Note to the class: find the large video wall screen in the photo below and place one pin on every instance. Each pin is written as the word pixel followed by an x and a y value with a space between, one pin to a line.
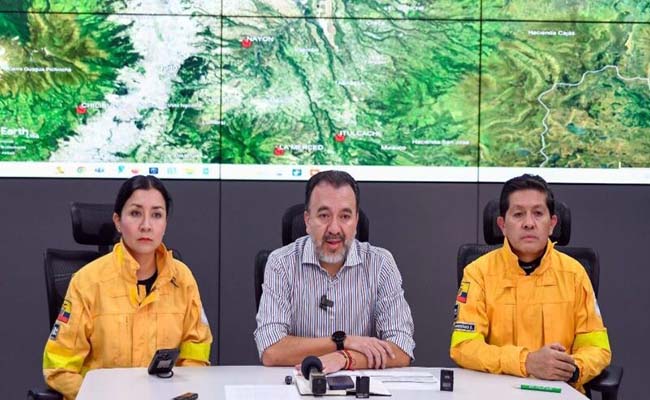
pixel 411 90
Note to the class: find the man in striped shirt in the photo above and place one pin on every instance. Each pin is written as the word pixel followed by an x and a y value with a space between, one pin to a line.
pixel 329 295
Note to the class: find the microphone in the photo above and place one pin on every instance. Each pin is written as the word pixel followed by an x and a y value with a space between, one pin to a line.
pixel 325 302
pixel 312 369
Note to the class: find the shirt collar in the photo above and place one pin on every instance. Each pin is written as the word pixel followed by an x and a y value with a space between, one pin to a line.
pixel 309 255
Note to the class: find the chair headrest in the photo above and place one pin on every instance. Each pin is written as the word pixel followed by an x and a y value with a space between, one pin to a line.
pixel 492 233
pixel 293 225
pixel 93 224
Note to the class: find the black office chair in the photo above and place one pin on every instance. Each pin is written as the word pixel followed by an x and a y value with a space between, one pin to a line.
pixel 293 227
pixel 60 265
pixel 43 394
pixel 92 224
pixel 493 237
pixel 608 382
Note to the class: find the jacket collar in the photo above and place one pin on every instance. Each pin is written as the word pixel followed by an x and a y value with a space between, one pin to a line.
pixel 513 261
pixel 129 266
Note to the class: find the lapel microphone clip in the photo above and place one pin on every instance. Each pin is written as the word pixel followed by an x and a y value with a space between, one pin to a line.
pixel 325 302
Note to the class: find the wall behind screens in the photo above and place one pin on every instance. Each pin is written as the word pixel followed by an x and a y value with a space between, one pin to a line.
pixel 407 90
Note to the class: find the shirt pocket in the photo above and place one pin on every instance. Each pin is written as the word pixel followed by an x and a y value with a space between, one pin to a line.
pixel 559 323
pixel 501 316
pixel 502 325
pixel 170 320
pixel 111 338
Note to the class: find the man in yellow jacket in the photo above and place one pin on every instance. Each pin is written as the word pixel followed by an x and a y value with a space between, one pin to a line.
pixel 526 309
pixel 110 320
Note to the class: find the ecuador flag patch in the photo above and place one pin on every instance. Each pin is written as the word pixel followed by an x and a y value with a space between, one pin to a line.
pixel 64 314
pixel 462 292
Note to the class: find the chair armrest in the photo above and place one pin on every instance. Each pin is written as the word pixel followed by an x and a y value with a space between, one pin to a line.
pixel 608 381
pixel 43 394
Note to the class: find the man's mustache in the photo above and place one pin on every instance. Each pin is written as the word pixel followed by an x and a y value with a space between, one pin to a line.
pixel 334 237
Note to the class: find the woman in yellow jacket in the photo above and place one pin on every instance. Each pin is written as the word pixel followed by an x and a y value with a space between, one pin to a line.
pixel 122 307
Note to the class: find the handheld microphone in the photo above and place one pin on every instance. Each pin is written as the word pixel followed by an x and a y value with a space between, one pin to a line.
pixel 312 369
pixel 325 302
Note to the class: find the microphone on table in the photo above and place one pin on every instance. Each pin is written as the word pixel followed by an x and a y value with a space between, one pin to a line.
pixel 312 369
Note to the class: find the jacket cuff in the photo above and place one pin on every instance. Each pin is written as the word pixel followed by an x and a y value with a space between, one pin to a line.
pixel 523 356
pixel 514 360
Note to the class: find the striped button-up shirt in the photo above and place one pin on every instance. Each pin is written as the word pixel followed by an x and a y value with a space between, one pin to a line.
pixel 367 297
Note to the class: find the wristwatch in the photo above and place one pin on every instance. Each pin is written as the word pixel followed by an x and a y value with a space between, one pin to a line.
pixel 338 337
pixel 576 375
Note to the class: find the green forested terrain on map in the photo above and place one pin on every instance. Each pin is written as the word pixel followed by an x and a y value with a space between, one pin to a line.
pixel 409 86
pixel 568 10
pixel 588 83
pixel 52 61
pixel 404 9
pixel 327 82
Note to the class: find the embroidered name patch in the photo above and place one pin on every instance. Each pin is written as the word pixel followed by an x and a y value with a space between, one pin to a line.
pixel 55 331
pixel 64 314
pixel 462 292
pixel 464 327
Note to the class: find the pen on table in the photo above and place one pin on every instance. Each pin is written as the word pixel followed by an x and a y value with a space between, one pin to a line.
pixel 541 388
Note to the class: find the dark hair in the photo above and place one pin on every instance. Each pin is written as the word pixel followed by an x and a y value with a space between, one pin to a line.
pixel 141 182
pixel 525 182
pixel 334 178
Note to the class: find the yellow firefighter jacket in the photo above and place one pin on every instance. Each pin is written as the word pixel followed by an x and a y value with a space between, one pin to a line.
pixel 107 320
pixel 501 314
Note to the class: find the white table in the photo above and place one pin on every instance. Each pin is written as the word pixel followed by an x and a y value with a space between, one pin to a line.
pixel 210 383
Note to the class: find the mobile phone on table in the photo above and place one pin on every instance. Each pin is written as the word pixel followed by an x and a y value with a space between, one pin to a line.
pixel 340 382
pixel 187 396
pixel 163 361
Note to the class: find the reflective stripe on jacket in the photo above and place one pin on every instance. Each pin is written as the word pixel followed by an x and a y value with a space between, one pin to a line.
pixel 107 320
pixel 502 314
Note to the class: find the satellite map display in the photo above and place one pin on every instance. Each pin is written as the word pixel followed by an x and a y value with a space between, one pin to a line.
pixel 276 89
pixel 565 95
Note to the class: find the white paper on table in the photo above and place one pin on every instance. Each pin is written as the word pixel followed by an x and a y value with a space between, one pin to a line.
pixel 261 392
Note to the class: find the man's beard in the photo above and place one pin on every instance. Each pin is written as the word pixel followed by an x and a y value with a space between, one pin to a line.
pixel 329 257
